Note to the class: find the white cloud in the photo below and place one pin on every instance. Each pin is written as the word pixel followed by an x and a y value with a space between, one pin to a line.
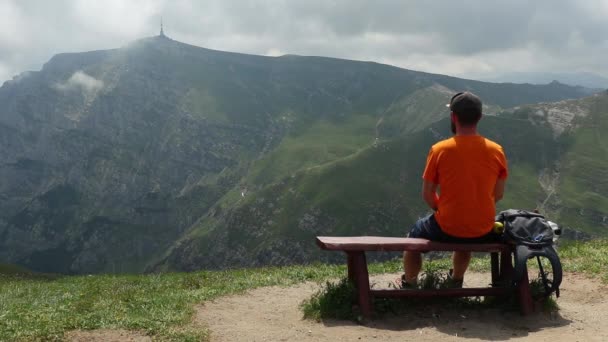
pixel 460 38
pixel 11 31
pixel 116 17
pixel 274 52
pixel 4 73
pixel 80 81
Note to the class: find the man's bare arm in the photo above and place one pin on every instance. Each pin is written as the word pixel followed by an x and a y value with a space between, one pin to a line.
pixel 499 189
pixel 429 194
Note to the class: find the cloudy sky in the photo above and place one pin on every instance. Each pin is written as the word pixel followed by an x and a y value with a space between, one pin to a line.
pixel 467 38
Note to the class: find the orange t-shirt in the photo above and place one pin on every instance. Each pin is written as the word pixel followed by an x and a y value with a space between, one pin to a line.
pixel 466 169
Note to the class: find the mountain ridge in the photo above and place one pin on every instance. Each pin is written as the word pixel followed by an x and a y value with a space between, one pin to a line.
pixel 110 157
pixel 585 79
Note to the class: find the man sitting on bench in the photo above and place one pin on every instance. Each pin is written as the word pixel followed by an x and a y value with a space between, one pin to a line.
pixel 469 171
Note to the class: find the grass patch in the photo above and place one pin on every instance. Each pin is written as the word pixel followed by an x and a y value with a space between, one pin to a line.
pixel 160 305
pixel 335 299
pixel 537 288
pixel 590 257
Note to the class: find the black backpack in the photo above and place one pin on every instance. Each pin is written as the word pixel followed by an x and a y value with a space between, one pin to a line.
pixel 532 236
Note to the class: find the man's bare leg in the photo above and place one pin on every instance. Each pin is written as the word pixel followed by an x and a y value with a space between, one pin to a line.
pixel 412 263
pixel 460 262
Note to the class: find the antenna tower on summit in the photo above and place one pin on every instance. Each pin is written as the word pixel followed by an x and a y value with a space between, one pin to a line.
pixel 162 33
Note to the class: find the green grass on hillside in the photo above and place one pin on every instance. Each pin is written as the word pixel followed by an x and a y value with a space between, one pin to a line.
pixel 589 257
pixel 13 270
pixel 322 142
pixel 584 175
pixel 161 305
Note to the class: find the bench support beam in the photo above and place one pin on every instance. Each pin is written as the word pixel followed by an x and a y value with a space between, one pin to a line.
pixel 458 292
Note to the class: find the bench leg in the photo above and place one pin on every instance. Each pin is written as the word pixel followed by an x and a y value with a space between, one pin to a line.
pixel 361 281
pixel 506 267
pixel 524 295
pixel 495 269
pixel 351 267
pixel 526 304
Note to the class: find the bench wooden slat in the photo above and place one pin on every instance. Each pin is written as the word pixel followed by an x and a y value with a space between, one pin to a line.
pixel 380 243
pixel 460 292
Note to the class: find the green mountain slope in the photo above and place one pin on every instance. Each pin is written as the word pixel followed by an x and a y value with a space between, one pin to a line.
pixel 111 159
pixel 374 191
pixel 555 155
pixel 582 185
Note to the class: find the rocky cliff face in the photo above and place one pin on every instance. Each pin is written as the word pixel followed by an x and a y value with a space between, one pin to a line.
pixel 111 159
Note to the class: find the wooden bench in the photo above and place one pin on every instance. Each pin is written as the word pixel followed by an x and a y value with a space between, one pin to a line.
pixel 356 246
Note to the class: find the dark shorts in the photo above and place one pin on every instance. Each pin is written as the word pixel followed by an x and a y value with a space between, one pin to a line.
pixel 428 228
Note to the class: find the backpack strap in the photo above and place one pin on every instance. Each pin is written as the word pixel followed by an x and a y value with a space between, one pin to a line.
pixel 523 253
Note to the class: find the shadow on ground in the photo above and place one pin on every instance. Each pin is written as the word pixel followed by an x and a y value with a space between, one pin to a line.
pixel 481 323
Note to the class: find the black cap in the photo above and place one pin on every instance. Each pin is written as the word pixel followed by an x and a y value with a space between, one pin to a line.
pixel 465 102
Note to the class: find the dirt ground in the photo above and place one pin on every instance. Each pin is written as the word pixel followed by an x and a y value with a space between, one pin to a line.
pixel 106 335
pixel 272 314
